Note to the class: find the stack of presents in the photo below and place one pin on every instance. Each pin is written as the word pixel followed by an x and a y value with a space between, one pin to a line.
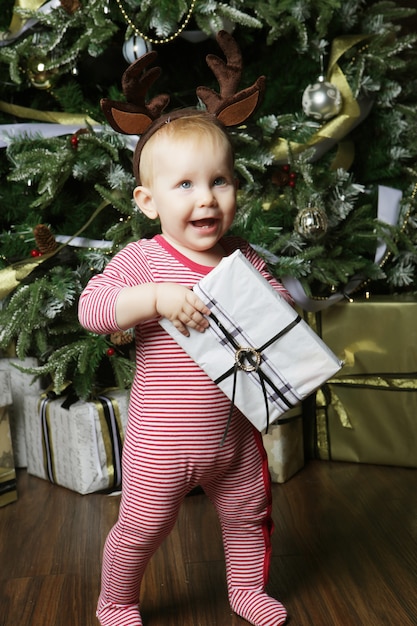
pixel 67 441
pixel 338 385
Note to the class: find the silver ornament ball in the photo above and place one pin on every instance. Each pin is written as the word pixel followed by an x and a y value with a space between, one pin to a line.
pixel 311 223
pixel 322 100
pixel 134 48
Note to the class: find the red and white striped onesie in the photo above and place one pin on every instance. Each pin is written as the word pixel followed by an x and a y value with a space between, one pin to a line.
pixel 177 418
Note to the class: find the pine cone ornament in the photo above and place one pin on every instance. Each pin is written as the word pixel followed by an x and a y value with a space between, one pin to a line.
pixel 70 6
pixel 280 177
pixel 44 238
pixel 121 338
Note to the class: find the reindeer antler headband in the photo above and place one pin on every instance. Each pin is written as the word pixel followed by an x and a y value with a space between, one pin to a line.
pixel 136 117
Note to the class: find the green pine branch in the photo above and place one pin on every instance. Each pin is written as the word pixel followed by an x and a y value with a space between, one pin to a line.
pixel 78 363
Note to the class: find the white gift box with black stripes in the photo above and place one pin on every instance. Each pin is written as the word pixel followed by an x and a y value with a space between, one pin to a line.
pixel 258 349
pixel 78 447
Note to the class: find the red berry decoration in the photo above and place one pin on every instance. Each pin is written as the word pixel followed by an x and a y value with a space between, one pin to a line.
pixel 35 253
pixel 110 351
pixel 74 141
pixel 283 177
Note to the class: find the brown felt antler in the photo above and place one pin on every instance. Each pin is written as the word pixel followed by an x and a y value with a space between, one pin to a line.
pixel 229 107
pixel 135 116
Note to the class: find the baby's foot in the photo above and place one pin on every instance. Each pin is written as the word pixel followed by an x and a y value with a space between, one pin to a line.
pixel 258 608
pixel 119 615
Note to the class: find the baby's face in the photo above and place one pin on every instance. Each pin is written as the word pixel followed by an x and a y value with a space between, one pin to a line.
pixel 193 190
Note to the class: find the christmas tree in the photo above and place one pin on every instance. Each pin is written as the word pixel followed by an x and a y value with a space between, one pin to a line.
pixel 327 166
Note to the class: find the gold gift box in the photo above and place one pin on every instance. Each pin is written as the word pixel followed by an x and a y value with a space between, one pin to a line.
pixel 21 384
pixel 367 413
pixel 8 491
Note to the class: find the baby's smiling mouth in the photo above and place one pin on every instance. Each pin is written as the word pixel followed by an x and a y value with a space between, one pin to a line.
pixel 204 223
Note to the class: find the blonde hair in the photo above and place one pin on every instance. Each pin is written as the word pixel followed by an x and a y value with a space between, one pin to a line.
pixel 196 126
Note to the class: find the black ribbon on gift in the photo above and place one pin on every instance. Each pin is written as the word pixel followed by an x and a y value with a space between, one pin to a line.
pixel 46 438
pixel 249 359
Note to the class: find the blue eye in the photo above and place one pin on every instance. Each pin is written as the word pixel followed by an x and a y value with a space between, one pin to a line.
pixel 220 180
pixel 186 184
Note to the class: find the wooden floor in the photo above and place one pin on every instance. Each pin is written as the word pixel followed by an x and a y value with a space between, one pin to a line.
pixel 344 554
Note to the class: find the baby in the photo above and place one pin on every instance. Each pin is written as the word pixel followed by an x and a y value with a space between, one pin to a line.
pixel 177 414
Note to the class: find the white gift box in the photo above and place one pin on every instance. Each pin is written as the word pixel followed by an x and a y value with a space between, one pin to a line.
pixel 5 389
pixel 78 447
pixel 22 384
pixel 257 349
pixel 284 445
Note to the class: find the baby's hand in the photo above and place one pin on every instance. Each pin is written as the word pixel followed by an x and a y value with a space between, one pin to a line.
pixel 182 307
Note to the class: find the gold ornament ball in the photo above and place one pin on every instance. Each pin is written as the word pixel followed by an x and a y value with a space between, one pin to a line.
pixel 39 76
pixel 311 223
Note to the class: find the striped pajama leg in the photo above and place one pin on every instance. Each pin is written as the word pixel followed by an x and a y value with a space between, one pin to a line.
pixel 148 512
pixel 243 501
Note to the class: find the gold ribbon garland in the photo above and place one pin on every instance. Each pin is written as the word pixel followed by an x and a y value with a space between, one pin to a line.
pixel 337 128
pixel 28 5
pixel 11 276
pixel 54 117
